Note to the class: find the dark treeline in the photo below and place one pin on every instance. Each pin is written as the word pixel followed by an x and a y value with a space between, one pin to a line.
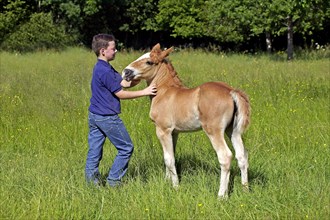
pixel 235 25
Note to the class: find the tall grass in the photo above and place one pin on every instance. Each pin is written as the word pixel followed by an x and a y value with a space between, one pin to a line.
pixel 44 99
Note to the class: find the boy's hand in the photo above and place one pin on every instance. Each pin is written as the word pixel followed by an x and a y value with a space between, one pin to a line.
pixel 135 82
pixel 129 84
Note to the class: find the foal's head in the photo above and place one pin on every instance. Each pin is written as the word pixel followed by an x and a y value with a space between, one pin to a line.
pixel 145 67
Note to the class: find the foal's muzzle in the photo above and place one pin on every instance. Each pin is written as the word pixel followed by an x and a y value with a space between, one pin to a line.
pixel 128 74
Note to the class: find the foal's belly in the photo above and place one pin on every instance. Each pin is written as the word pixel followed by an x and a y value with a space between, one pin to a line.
pixel 187 124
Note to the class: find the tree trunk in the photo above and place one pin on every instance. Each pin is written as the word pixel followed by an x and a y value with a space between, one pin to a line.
pixel 268 42
pixel 290 38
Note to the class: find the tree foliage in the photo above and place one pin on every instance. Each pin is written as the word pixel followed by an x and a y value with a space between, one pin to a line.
pixel 223 21
pixel 12 15
pixel 227 20
pixel 140 15
pixel 180 18
pixel 38 33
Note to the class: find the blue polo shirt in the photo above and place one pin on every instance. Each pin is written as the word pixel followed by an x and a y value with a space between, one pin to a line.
pixel 105 83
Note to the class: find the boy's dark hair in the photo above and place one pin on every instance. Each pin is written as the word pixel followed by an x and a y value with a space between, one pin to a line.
pixel 101 41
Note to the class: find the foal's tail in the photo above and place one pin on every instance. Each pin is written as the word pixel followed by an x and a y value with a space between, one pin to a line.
pixel 242 111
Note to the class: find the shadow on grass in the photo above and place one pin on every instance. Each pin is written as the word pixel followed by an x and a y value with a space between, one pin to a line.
pixel 190 165
pixel 256 178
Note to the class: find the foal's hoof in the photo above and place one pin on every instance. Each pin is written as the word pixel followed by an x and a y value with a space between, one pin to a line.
pixel 223 197
pixel 246 187
pixel 176 187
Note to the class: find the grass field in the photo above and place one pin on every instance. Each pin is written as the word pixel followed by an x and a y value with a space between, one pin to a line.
pixel 44 99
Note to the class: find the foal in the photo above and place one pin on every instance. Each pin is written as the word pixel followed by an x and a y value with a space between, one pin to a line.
pixel 214 107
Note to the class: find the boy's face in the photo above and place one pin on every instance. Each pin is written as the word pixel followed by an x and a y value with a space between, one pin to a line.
pixel 109 53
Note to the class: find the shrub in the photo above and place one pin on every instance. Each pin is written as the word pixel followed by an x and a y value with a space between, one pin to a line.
pixel 40 32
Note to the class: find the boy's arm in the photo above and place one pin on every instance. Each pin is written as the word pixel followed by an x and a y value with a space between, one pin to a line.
pixel 150 90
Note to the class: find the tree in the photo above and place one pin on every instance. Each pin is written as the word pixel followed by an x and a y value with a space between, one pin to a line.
pixel 13 13
pixel 181 18
pixel 140 15
pixel 65 12
pixel 232 21
pixel 276 17
pixel 138 21
pixel 39 32
pixel 228 20
pixel 85 18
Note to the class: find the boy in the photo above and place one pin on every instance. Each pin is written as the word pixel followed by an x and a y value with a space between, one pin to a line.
pixel 107 90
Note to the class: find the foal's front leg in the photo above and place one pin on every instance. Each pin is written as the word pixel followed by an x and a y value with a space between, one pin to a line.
pixel 166 140
pixel 174 141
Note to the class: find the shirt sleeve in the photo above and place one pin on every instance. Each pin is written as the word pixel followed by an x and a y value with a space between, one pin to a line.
pixel 112 80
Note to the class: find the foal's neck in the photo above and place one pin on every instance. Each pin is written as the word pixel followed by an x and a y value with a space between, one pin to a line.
pixel 166 76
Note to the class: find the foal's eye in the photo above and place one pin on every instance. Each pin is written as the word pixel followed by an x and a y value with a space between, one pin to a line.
pixel 149 63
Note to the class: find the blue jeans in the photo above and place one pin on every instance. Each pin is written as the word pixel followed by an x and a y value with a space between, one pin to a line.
pixel 112 127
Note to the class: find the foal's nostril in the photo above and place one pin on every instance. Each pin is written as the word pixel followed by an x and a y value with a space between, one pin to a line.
pixel 128 74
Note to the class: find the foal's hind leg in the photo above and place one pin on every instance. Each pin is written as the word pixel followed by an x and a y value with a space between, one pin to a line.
pixel 224 156
pixel 241 155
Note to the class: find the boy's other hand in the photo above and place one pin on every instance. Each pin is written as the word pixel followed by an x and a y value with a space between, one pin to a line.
pixel 151 90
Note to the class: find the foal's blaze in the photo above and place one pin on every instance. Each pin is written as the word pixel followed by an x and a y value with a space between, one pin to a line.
pixel 214 107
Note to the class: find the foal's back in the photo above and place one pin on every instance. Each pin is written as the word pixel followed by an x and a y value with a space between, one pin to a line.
pixel 185 109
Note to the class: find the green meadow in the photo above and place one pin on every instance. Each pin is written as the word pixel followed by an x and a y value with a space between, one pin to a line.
pixel 44 99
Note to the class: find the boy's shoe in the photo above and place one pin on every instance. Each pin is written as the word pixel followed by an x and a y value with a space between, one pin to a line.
pixel 114 183
pixel 95 181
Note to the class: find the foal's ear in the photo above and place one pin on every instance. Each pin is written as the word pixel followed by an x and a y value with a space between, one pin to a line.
pixel 156 54
pixel 165 53
pixel 156 47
